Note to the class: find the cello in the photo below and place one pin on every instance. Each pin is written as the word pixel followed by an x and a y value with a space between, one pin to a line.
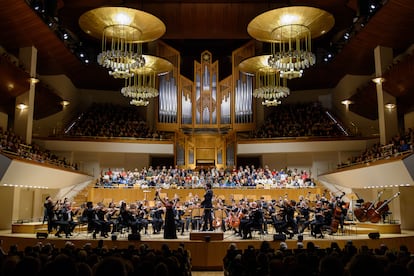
pixel 375 214
pixel 362 213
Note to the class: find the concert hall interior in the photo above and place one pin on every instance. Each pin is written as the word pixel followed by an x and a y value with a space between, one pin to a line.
pixel 116 117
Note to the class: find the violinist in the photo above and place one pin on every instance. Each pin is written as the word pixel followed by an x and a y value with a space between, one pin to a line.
pixel 279 219
pixel 318 222
pixel 141 218
pixel 133 218
pixel 111 216
pixel 253 220
pixel 157 220
pixel 290 206
pixel 89 212
pixel 65 220
pixel 179 212
pixel 100 220
pixel 269 212
pixel 302 219
pixel 125 218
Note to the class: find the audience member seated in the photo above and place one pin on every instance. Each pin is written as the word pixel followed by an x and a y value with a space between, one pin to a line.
pixel 297 120
pixel 399 144
pixel 12 144
pixel 109 120
pixel 174 177
pixel 47 259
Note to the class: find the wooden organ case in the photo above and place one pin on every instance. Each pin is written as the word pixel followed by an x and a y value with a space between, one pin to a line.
pixel 205 113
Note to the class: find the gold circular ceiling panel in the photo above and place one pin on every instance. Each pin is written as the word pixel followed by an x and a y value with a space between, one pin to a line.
pixel 154 64
pixel 266 26
pixel 258 63
pixel 119 22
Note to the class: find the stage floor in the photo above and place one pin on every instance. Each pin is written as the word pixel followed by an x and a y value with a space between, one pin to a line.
pixel 213 248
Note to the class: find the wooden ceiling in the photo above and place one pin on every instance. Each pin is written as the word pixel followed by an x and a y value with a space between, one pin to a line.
pixel 220 26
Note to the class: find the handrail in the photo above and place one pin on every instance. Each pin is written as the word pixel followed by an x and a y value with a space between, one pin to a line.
pixel 15 155
pixel 385 157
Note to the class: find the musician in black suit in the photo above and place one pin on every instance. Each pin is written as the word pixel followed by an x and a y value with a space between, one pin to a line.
pixel 253 220
pixel 157 220
pixel 65 220
pixel 207 204
pixel 50 215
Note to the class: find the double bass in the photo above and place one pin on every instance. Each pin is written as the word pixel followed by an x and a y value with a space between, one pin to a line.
pixel 362 213
pixel 374 215
pixel 337 214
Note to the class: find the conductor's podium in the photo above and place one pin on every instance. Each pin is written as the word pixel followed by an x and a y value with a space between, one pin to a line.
pixel 206 236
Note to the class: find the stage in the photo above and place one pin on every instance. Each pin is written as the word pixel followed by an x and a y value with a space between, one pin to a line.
pixel 208 248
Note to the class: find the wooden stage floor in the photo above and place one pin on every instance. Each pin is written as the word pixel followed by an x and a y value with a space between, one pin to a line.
pixel 208 255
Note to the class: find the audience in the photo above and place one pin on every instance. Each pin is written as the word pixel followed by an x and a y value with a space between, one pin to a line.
pixel 296 120
pixel 349 261
pixel 14 145
pixel 109 120
pixel 399 144
pixel 47 260
pixel 174 177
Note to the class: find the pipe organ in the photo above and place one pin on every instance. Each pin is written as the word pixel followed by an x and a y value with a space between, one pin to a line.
pixel 205 114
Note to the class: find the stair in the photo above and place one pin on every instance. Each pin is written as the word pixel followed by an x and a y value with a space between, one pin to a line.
pixel 82 196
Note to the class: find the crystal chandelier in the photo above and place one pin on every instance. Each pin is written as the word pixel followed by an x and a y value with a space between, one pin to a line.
pixel 270 86
pixel 141 86
pixel 289 31
pixel 123 32
pixel 292 53
pixel 121 55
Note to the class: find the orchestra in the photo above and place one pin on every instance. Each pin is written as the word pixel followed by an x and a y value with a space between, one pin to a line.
pixel 286 216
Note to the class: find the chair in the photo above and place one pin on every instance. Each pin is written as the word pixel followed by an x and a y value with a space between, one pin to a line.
pixel 257 229
pixel 350 227
pixel 82 223
pixel 196 218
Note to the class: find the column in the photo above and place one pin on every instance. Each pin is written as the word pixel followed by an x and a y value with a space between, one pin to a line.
pixel 387 117
pixel 23 119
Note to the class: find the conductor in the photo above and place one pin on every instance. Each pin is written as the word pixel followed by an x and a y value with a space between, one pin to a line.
pixel 207 204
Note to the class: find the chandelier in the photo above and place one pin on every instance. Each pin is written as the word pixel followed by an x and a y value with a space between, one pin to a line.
pixel 270 86
pixel 289 31
pixel 140 87
pixel 123 32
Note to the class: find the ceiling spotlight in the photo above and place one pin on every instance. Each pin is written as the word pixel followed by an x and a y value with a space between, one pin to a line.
pixel 347 102
pixel 22 106
pixel 64 103
pixel 33 80
pixel 390 106
pixel 378 80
